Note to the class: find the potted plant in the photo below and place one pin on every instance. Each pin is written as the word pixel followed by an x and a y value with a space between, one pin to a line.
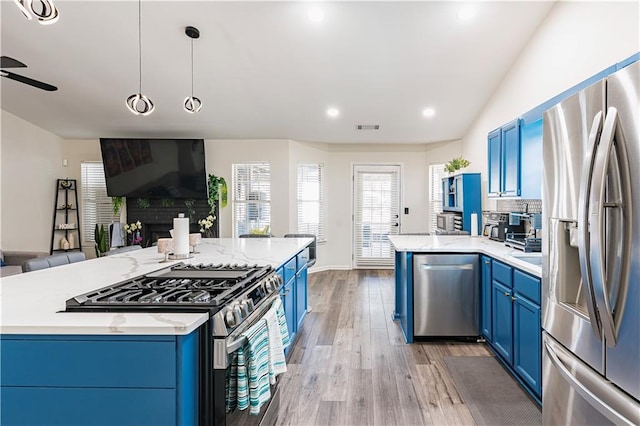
pixel 100 237
pixel 456 164
pixel 217 189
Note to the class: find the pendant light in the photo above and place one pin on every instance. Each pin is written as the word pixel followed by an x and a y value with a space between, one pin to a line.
pixel 48 14
pixel 191 103
pixel 138 103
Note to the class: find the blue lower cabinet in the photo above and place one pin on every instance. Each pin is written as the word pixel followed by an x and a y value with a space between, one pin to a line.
pixel 527 342
pixel 87 406
pixel 516 325
pixel 485 320
pixel 502 321
pixel 301 295
pixel 99 380
pixel 288 295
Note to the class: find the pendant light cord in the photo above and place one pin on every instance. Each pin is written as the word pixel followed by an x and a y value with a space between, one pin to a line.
pixel 192 68
pixel 140 44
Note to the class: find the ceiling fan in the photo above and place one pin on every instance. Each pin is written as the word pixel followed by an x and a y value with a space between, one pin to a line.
pixel 7 62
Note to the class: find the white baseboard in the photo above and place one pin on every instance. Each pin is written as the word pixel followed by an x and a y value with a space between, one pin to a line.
pixel 329 268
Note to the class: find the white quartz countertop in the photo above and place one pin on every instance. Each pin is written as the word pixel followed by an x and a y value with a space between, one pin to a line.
pixel 465 244
pixel 34 302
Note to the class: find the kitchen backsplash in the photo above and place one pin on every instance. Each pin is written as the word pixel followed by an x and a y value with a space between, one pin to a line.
pixel 519 205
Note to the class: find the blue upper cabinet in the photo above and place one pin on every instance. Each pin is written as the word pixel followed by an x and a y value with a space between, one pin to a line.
pixel 461 193
pixel 511 159
pixel 531 159
pixel 504 160
pixel 495 164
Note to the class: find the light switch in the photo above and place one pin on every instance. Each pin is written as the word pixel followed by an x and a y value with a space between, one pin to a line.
pixel 406 210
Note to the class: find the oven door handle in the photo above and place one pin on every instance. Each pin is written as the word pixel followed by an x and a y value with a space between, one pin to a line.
pixel 236 344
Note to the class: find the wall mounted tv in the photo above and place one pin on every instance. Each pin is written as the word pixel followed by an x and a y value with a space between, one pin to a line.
pixel 163 168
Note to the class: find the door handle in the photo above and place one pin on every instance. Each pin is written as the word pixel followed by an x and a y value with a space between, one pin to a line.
pixel 597 224
pixel 626 412
pixel 446 267
pixel 583 224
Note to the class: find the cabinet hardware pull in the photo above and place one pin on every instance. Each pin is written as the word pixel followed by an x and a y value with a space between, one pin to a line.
pixel 513 299
pixel 507 294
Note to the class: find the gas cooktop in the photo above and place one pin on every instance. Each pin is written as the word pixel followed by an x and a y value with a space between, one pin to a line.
pixel 180 287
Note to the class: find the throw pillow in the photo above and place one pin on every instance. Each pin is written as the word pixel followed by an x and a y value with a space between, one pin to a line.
pixel 2 263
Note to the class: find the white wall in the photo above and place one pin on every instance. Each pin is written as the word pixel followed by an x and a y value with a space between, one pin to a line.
pixel 576 41
pixel 31 162
pixel 414 160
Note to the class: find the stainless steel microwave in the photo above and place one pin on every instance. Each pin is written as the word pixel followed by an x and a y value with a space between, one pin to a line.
pixel 446 221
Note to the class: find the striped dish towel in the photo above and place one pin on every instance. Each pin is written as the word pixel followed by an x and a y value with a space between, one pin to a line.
pixel 282 319
pixel 231 383
pixel 253 388
pixel 277 361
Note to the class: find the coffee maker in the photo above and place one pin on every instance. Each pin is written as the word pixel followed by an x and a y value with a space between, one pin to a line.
pixel 497 226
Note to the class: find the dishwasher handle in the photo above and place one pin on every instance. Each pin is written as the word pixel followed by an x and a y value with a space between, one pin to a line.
pixel 446 267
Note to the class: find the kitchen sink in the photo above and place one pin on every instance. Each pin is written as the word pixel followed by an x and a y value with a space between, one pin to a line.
pixel 530 258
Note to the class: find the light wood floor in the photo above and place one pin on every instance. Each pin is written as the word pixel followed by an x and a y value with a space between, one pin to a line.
pixel 350 365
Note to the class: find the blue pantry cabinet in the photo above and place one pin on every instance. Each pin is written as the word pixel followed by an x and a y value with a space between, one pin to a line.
pixel 461 193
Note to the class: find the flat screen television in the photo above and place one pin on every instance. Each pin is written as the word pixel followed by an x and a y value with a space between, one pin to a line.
pixel 161 168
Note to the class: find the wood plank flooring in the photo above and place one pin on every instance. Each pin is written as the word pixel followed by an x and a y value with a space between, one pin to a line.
pixel 350 365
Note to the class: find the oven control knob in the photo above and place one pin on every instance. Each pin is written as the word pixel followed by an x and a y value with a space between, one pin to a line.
pixel 230 320
pixel 250 305
pixel 246 308
pixel 234 315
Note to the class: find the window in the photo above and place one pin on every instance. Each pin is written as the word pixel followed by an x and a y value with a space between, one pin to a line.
pixel 436 174
pixel 311 200
pixel 96 204
pixel 251 198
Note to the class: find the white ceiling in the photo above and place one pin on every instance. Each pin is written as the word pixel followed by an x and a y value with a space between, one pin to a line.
pixel 263 69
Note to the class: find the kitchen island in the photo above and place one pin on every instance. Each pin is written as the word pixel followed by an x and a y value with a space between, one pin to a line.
pixel 109 368
pixel 508 306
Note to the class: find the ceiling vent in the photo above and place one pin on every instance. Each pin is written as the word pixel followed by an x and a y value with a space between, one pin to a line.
pixel 367 127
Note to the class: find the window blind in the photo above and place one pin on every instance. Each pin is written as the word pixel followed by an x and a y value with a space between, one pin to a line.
pixel 436 174
pixel 377 192
pixel 96 204
pixel 311 200
pixel 251 185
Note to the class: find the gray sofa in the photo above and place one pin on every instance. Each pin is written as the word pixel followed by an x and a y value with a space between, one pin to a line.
pixel 52 260
pixel 15 259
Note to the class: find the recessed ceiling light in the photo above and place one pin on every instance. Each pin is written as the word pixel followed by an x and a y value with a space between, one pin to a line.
pixel 333 112
pixel 315 13
pixel 428 112
pixel 465 13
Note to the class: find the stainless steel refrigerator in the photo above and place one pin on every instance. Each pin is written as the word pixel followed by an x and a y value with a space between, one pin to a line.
pixel 591 255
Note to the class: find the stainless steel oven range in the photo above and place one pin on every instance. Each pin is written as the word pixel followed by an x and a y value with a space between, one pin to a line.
pixel 234 296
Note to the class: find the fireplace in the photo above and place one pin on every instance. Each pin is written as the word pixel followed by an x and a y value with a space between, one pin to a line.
pixel 157 217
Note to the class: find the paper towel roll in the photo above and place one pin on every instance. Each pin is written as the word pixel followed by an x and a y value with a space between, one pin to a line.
pixel 181 236
pixel 474 224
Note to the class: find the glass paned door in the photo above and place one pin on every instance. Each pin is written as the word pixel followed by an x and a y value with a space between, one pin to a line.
pixel 376 213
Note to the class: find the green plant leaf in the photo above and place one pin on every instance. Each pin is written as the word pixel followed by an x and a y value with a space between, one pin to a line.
pixel 117 203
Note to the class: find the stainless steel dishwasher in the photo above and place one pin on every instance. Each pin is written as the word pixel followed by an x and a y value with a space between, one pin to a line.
pixel 446 289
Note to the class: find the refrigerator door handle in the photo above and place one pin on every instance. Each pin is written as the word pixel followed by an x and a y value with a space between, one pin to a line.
pixel 593 388
pixel 583 224
pixel 597 220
